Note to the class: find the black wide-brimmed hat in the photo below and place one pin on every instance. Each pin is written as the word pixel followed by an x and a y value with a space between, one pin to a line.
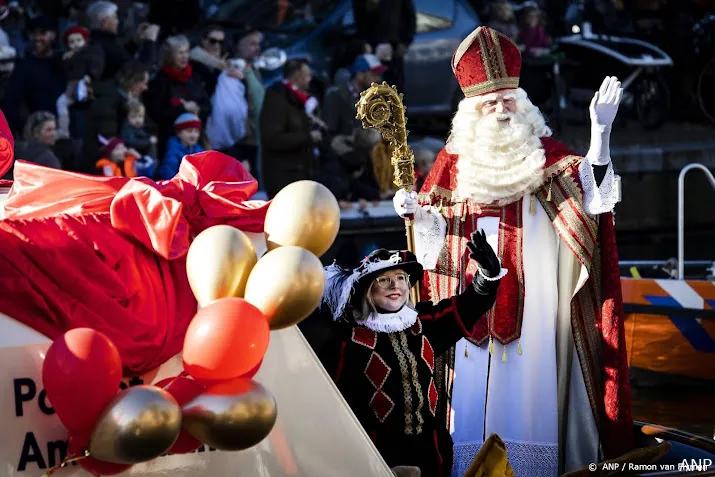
pixel 345 286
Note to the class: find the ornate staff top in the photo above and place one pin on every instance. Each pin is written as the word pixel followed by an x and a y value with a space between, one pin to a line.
pixel 380 107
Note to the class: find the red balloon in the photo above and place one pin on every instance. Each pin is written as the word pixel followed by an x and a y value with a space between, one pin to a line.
pixel 78 444
pixel 81 374
pixel 254 371
pixel 225 340
pixel 184 390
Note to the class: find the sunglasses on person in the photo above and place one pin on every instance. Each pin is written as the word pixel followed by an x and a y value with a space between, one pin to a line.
pixel 215 41
pixel 385 281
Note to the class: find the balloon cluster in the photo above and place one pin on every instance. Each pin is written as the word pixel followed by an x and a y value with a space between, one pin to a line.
pixel 214 401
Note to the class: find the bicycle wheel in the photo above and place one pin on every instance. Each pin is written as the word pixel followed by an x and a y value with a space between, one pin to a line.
pixel 652 101
pixel 705 90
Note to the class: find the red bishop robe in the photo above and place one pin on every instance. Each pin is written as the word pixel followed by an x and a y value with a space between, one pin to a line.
pixel 597 317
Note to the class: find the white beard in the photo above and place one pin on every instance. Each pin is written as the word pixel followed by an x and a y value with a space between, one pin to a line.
pixel 499 161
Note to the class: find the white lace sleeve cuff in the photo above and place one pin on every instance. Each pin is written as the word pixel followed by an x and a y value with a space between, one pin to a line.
pixel 430 234
pixel 502 274
pixel 599 199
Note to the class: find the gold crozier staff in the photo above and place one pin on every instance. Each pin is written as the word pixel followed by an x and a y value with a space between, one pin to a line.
pixel 380 107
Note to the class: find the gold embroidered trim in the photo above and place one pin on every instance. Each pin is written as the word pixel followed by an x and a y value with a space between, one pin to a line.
pixel 490 85
pixel 564 214
pixel 587 344
pixel 415 382
pixel 486 56
pixel 563 164
pixel 498 53
pixel 405 383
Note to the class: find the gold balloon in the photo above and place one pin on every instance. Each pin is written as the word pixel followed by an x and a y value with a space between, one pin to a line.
pixel 304 213
pixel 231 416
pixel 286 284
pixel 138 425
pixel 219 262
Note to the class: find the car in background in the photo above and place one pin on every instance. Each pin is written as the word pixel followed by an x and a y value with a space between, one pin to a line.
pixel 318 29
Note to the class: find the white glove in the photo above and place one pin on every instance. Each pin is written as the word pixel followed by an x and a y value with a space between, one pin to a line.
pixel 405 203
pixel 603 109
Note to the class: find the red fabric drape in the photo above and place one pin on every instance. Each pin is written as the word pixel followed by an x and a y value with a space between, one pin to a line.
pixel 7 149
pixel 109 252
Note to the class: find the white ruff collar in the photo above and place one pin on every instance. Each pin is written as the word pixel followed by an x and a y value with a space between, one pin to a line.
pixel 390 322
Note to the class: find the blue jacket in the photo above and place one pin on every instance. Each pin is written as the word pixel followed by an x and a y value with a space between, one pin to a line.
pixel 175 152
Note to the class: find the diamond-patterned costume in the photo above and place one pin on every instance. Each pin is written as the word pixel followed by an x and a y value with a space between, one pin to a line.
pixel 388 378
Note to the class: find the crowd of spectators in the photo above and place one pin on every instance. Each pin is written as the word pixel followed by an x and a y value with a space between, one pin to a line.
pixel 128 88
pixel 118 88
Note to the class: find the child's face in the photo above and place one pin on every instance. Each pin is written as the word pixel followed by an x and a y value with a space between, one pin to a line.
pixel 75 41
pixel 119 153
pixel 136 118
pixel 189 137
pixel 504 12
pixel 533 18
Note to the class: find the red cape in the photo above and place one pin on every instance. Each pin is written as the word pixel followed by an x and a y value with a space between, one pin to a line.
pixel 109 252
pixel 598 323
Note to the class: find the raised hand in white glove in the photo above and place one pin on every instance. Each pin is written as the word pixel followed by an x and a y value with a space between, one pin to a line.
pixel 603 110
pixel 405 203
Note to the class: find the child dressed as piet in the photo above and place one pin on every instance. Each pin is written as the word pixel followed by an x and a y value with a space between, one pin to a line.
pixel 380 350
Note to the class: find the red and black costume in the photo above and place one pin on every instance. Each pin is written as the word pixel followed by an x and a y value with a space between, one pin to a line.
pixel 387 377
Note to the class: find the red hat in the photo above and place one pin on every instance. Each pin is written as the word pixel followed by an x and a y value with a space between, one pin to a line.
pixel 109 146
pixel 187 121
pixel 74 30
pixel 486 61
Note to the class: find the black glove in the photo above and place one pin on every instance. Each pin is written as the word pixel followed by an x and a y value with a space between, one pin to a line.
pixel 481 252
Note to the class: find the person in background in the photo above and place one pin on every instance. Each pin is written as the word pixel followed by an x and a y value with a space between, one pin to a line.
pixel 533 32
pixel 82 65
pixel 339 103
pixel 345 55
pixel 227 123
pixel 358 182
pixel 175 90
pixel 107 112
pixel 104 25
pixel 287 141
pixel 117 160
pixel 388 21
pixel 39 137
pixel 37 80
pixel 186 141
pixel 207 58
pixel 79 61
pixel 502 19
pixel 248 49
pixel 71 120
pixel 134 133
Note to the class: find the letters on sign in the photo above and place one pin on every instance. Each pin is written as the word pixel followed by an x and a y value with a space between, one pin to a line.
pixel 51 453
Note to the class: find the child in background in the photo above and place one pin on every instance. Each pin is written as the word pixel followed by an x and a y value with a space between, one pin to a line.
pixel 533 32
pixel 81 64
pixel 80 61
pixel 188 131
pixel 134 132
pixel 117 160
